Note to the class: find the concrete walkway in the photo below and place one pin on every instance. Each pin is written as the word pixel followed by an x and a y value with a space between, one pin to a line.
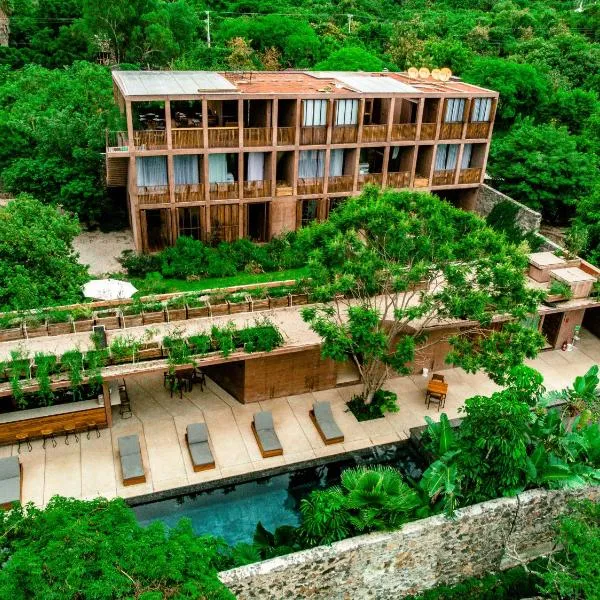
pixel 91 467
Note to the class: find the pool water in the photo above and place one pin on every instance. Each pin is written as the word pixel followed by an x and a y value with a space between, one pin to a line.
pixel 232 512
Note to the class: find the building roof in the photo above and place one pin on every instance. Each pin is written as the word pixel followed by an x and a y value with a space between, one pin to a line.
pixel 159 83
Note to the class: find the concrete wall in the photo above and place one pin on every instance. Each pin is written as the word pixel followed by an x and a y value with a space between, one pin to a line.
pixel 487 198
pixel 421 555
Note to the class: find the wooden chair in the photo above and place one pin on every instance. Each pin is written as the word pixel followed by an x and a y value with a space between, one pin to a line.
pixel 439 399
pixel 437 377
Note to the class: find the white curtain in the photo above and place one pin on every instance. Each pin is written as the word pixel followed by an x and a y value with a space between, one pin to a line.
pixel 336 163
pixel 314 113
pixel 217 168
pixel 465 163
pixel 346 112
pixel 454 110
pixel 311 164
pixel 482 108
pixel 395 152
pixel 256 166
pixel 151 170
pixel 445 158
pixel 186 169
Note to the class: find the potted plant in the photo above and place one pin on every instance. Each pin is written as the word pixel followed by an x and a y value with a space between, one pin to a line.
pixel 83 319
pixel 131 314
pixel 196 306
pixel 19 366
pixel 123 349
pixel 35 325
pixel 259 299
pixel 11 327
pixel 153 312
pixel 59 322
pixel 148 349
pixel 279 296
pixel 238 302
pixel 176 309
pixel 45 366
pixel 218 305
pixel 109 317
pixel 200 344
pixel 558 291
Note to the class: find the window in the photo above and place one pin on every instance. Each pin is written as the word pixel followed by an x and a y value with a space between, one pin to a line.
pixel 454 110
pixel 186 169
pixel 151 171
pixel 190 222
pixel 482 108
pixel 314 113
pixel 311 164
pixel 466 157
pixel 346 112
pixel 310 210
pixel 445 158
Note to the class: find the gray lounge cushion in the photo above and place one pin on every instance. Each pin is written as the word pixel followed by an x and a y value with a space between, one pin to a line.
pixel 201 454
pixel 9 467
pixel 132 466
pixel 322 411
pixel 263 421
pixel 269 440
pixel 197 432
pixel 324 417
pixel 10 480
pixel 129 444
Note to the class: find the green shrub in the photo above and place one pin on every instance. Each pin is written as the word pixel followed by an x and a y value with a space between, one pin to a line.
pixel 558 288
pixel 200 343
pixel 10 321
pixel 195 301
pixel 81 314
pixel 278 291
pixel 152 307
pixel 224 338
pixel 139 265
pixel 383 402
pixel 34 320
pixel 177 302
pixel 135 308
pixel 263 337
pixel 58 316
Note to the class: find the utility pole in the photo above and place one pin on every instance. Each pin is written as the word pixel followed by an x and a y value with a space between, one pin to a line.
pixel 207 27
pixel 349 23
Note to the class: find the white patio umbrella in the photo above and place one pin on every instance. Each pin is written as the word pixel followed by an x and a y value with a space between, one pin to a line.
pixel 108 289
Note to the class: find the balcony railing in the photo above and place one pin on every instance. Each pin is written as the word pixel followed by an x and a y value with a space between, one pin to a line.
pixel 344 134
pixel 478 131
pixel 257 189
pixel 445 177
pixel 155 194
pixel 258 136
pixel 472 175
pixel 187 138
pixel 286 136
pixel 427 131
pixel 373 178
pixel 284 189
pixel 310 136
pixel 223 137
pixel 310 186
pixel 116 142
pixel 404 131
pixel 189 192
pixel 340 183
pixel 374 133
pixel 421 181
pixel 399 179
pixel 451 131
pixel 150 139
pixel 224 191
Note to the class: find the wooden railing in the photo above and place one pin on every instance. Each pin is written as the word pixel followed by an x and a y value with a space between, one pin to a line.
pixel 451 131
pixel 374 178
pixel 258 136
pixel 313 135
pixel 189 192
pixel 155 194
pixel 427 131
pixel 398 180
pixel 404 131
pixel 187 138
pixel 421 180
pixel 149 140
pixel 223 137
pixel 344 134
pixel 472 175
pixel 117 142
pixel 445 177
pixel 283 188
pixel 224 191
pixel 257 189
pixel 340 183
pixel 478 131
pixel 286 136
pixel 310 186
pixel 374 133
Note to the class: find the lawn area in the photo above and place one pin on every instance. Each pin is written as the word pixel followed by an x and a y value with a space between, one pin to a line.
pixel 167 286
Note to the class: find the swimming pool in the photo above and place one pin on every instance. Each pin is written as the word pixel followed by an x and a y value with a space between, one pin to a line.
pixel 232 512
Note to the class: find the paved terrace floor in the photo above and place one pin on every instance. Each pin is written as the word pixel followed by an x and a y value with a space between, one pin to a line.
pixel 91 468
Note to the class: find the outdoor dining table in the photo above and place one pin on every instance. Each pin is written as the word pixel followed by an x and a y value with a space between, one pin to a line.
pixel 437 388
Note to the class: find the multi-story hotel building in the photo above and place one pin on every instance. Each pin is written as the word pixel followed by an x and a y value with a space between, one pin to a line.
pixel 219 156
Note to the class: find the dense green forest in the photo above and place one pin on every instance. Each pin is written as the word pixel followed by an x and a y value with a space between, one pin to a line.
pixel 543 56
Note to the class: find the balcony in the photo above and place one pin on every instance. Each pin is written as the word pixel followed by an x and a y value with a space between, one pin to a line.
pixel 374 133
pixel 224 191
pixel 189 193
pixel 344 134
pixel 150 139
pixel 472 175
pixel 310 186
pixel 223 137
pixel 445 177
pixel 398 180
pixel 258 136
pixel 369 178
pixel 257 189
pixel 427 131
pixel 311 136
pixel 478 131
pixel 283 188
pixel 404 131
pixel 286 136
pixel 341 183
pixel 156 194
pixel 192 137
pixel 451 131
pixel 116 142
pixel 421 181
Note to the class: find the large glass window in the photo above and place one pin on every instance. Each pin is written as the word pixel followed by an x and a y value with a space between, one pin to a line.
pixel 482 108
pixel 151 171
pixel 445 158
pixel 190 222
pixel 314 113
pixel 455 109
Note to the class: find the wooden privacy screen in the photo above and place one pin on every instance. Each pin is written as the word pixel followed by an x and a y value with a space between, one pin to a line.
pixel 224 221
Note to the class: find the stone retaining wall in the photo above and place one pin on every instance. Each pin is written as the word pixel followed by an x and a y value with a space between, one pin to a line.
pixel 422 554
pixel 487 197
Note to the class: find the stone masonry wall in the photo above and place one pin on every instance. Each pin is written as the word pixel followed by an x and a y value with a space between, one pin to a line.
pixel 487 197
pixel 422 554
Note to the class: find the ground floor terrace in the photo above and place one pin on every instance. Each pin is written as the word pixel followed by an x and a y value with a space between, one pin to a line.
pixel 90 467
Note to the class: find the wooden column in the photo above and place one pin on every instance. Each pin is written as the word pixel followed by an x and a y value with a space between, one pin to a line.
pixel 361 118
pixel 329 121
pixel 107 405
pixel 205 155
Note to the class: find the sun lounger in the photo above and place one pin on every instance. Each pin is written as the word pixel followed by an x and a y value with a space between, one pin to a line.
pixel 130 454
pixel 328 429
pixel 265 435
pixel 197 441
pixel 11 481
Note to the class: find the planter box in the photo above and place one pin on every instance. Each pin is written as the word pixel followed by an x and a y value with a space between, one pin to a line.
pixel 298 299
pixel 122 359
pixel 280 301
pixel 219 309
pixel 238 307
pixel 32 332
pixel 109 322
pixel 60 328
pixel 132 320
pixel 153 317
pixel 196 312
pixel 260 304
pixel 149 352
pixel 541 263
pixel 176 314
pixel 14 333
pixel 579 281
pixel 83 325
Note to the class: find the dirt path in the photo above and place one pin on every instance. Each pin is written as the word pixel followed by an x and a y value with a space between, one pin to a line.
pixel 101 250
